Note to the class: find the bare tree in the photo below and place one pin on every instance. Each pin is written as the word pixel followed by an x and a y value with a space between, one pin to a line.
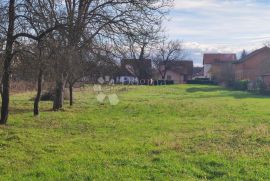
pixel 7 62
pixel 138 45
pixel 87 20
pixel 79 67
pixel 78 23
pixel 166 53
pixel 14 28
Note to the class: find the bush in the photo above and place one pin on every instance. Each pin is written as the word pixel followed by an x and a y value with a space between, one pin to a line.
pixel 258 86
pixel 163 82
pixel 239 85
pixel 255 86
pixel 49 95
pixel 202 81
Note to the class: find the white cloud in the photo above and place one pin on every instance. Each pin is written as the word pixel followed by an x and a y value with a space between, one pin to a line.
pixel 187 4
pixel 220 25
pixel 195 50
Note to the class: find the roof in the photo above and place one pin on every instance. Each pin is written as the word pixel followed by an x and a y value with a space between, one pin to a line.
pixel 181 66
pixel 130 66
pixel 126 72
pixel 252 54
pixel 209 58
pixel 146 63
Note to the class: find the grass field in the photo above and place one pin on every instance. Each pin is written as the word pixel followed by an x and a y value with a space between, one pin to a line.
pixel 179 132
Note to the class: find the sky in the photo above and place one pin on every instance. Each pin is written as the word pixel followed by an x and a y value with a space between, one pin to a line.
pixel 219 26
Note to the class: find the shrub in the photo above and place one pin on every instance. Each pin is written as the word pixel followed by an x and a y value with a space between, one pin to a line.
pixel 163 82
pixel 202 81
pixel 239 85
pixel 49 95
pixel 258 86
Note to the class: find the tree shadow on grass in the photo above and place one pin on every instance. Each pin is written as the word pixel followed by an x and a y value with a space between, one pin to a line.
pixel 224 92
pixel 204 89
pixel 213 169
pixel 21 110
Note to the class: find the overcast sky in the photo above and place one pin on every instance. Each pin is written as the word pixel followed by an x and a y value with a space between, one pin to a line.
pixel 219 25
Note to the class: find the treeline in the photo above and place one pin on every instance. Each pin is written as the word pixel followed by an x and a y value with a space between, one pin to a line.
pixel 65 40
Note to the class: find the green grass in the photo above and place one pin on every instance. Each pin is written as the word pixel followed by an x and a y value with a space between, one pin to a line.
pixel 179 132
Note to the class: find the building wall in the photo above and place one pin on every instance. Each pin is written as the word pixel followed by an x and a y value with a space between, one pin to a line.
pixel 266 80
pixel 176 77
pixel 254 67
pixel 222 72
pixel 207 68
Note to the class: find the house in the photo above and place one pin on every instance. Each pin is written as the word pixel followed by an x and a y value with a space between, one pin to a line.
pixel 197 72
pixel 134 71
pixel 177 71
pixel 222 71
pixel 210 59
pixel 254 66
pixel 126 77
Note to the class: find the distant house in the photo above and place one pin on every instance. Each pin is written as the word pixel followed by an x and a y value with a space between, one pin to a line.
pixel 177 71
pixel 216 58
pixel 126 77
pixel 198 72
pixel 254 66
pixel 222 72
pixel 132 71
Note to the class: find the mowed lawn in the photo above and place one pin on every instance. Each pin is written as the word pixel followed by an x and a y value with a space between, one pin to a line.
pixel 179 132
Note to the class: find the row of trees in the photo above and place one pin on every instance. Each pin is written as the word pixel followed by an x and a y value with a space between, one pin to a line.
pixel 65 40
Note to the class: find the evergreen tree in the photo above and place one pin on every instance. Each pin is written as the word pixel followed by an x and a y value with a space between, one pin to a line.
pixel 243 54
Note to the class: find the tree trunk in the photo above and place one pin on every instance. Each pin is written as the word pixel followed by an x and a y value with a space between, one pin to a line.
pixel 1 88
pixel 7 64
pixel 70 94
pixel 39 89
pixel 5 97
pixel 59 92
pixel 59 95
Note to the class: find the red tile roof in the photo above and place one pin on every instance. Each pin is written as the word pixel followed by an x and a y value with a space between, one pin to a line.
pixel 210 58
pixel 258 51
